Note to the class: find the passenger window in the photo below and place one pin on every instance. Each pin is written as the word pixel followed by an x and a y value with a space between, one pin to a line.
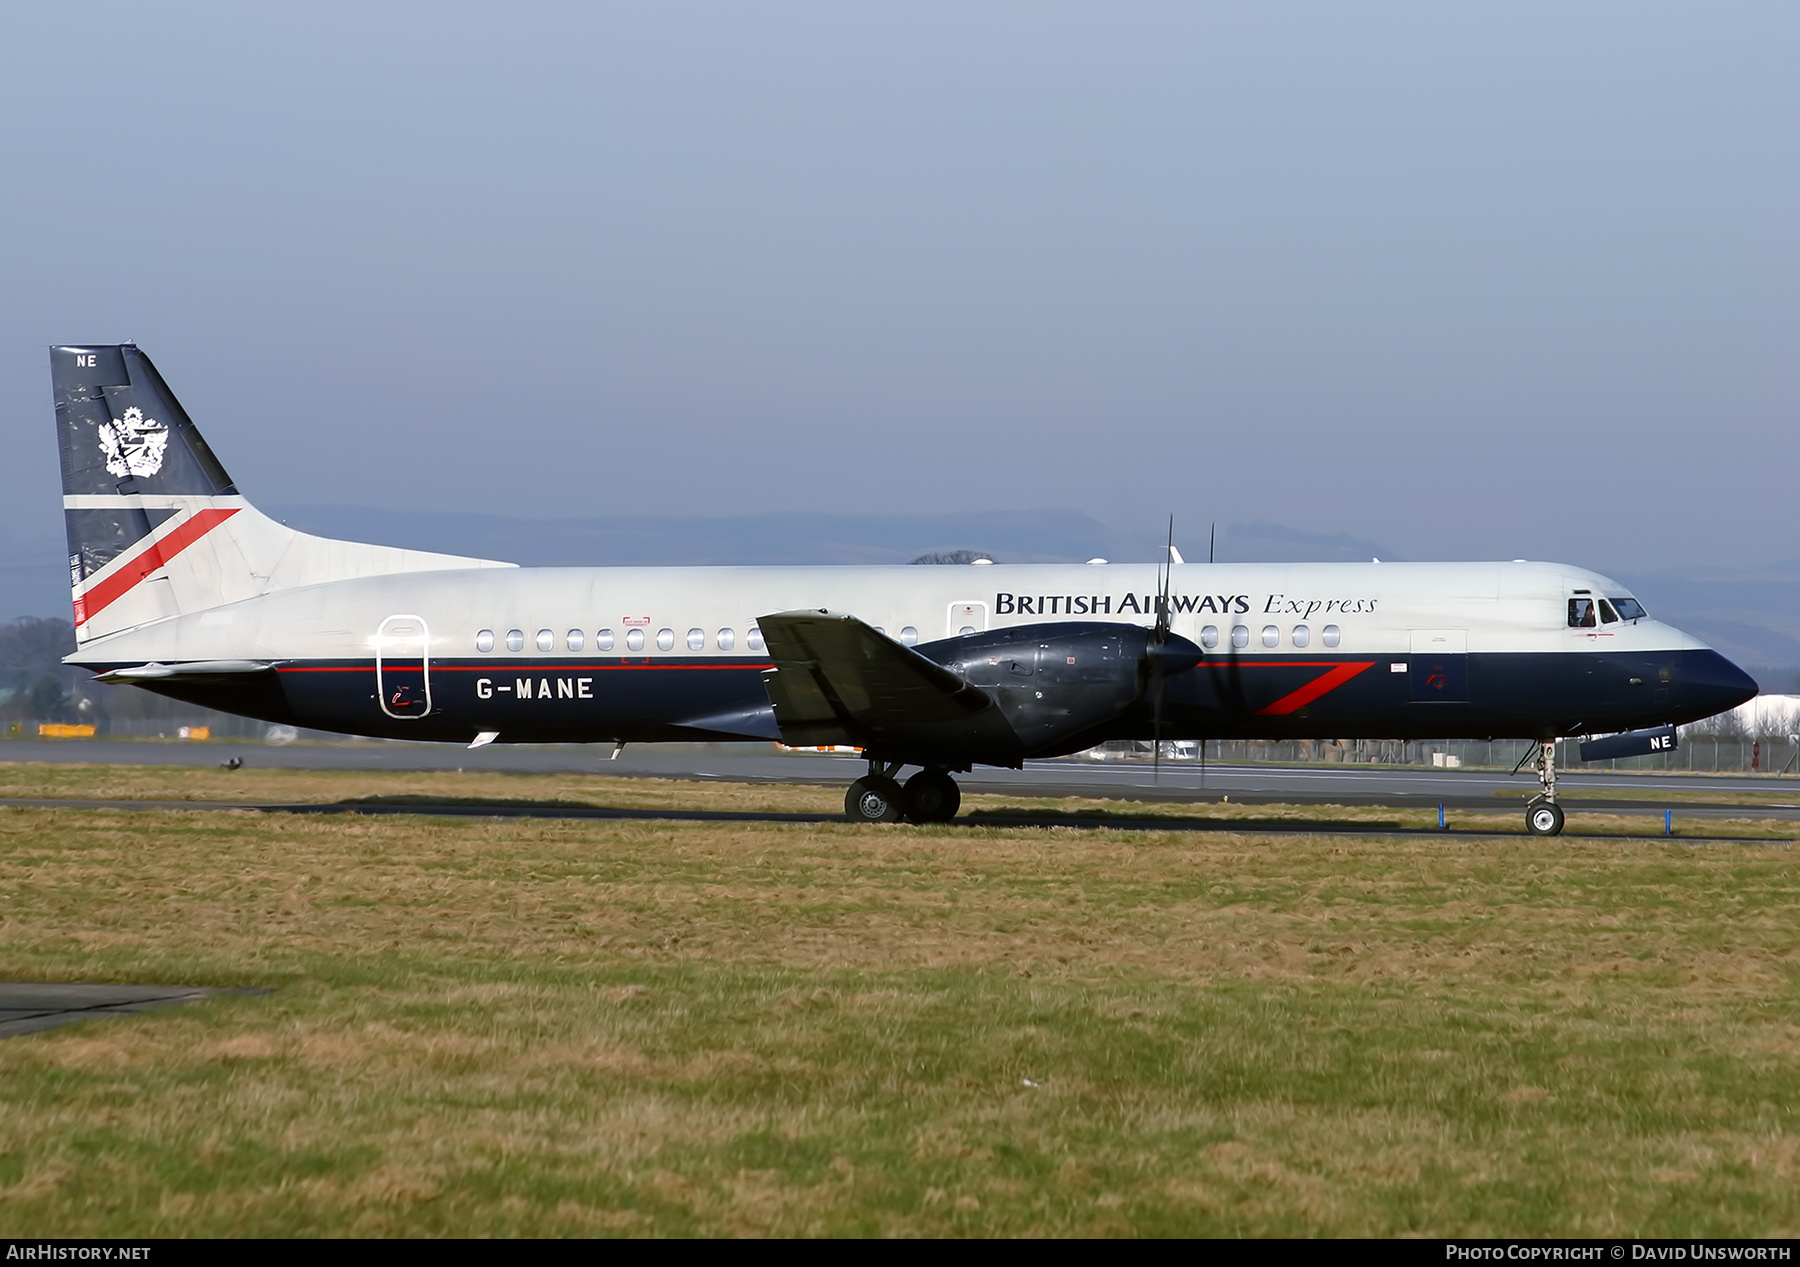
pixel 696 640
pixel 665 639
pixel 545 640
pixel 1607 615
pixel 603 641
pixel 1271 636
pixel 909 636
pixel 1209 637
pixel 1302 635
pixel 1581 613
pixel 1240 636
pixel 515 640
pixel 634 639
pixel 484 641
pixel 727 640
pixel 1330 635
pixel 575 639
pixel 754 639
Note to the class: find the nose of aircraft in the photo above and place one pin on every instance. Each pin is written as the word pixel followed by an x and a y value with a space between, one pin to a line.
pixel 1714 684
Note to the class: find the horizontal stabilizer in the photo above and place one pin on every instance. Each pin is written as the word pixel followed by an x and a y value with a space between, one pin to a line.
pixel 838 681
pixel 197 672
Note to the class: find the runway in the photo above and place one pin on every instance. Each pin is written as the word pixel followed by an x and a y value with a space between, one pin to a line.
pixel 1068 777
pixel 29 1006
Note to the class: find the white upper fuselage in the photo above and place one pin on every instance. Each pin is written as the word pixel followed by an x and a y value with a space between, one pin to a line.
pixel 1363 608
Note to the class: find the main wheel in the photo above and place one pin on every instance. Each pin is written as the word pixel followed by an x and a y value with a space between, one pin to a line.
pixel 874 800
pixel 932 797
pixel 1544 819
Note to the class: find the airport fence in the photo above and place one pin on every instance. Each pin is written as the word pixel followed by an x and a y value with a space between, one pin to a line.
pixel 1698 753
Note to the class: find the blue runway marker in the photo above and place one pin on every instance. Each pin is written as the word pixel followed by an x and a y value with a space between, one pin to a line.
pixel 1441 826
pixel 1668 822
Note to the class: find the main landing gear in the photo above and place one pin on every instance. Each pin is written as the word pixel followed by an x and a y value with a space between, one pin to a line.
pixel 1544 817
pixel 930 796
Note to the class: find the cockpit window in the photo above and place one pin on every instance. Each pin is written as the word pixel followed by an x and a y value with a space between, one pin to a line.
pixel 1581 613
pixel 1607 615
pixel 1630 609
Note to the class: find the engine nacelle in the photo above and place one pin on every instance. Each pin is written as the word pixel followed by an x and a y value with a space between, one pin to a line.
pixel 1056 683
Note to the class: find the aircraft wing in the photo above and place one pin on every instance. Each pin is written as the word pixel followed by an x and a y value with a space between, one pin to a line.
pixel 838 681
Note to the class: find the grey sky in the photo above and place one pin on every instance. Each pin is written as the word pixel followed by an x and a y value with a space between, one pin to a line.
pixel 1480 282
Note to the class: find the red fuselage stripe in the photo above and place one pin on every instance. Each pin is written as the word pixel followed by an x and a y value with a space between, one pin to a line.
pixel 151 559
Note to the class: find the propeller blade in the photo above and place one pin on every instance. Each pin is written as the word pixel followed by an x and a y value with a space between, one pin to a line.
pixel 1158 679
pixel 1227 678
pixel 1162 597
pixel 1163 658
pixel 1235 676
pixel 1155 740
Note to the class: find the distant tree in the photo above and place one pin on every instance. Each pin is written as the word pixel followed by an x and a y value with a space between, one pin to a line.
pixel 32 647
pixel 954 556
pixel 48 700
pixel 1726 725
pixel 1775 723
pixel 34 682
pixel 35 685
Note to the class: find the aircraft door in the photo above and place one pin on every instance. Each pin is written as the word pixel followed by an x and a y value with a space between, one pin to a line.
pixel 403 666
pixel 1438 667
pixel 966 618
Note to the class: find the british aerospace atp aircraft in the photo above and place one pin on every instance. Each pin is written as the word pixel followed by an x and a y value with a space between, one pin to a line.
pixel 182 587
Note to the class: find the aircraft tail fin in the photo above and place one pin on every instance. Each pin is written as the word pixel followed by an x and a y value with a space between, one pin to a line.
pixel 155 525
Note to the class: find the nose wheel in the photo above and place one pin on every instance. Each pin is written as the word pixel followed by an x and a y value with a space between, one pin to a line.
pixel 1544 817
pixel 930 796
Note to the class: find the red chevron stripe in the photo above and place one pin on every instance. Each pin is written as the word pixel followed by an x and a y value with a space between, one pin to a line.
pixel 153 558
pixel 1324 683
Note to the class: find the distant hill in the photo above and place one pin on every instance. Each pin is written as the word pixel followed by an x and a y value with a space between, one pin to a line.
pixel 1031 536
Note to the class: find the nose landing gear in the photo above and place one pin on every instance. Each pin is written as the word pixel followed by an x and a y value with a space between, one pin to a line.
pixel 1544 817
pixel 930 796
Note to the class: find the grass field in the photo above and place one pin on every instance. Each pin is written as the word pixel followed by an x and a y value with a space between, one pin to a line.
pixel 584 1027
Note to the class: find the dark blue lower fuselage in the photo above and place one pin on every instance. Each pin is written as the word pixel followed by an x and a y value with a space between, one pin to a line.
pixel 597 699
